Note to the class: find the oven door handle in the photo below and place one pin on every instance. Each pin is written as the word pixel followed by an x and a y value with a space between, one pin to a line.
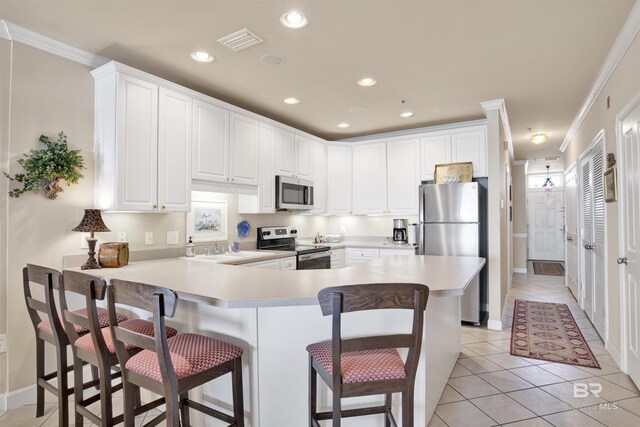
pixel 316 255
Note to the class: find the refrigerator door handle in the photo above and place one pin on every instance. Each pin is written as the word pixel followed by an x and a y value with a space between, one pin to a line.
pixel 421 206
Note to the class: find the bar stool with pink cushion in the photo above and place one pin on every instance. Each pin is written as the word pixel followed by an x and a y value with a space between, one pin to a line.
pixel 171 366
pixel 368 365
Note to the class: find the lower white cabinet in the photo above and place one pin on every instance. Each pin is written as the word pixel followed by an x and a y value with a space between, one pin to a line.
pixel 337 258
pixel 288 263
pixel 385 252
pixel 360 255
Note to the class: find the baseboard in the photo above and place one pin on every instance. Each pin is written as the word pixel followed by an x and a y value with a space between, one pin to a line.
pixel 21 397
pixel 519 270
pixel 3 402
pixel 615 354
pixel 495 325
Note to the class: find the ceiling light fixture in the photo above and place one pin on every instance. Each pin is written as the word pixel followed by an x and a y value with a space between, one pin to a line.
pixel 343 125
pixel 538 138
pixel 294 19
pixel 202 56
pixel 291 100
pixel 406 114
pixel 367 81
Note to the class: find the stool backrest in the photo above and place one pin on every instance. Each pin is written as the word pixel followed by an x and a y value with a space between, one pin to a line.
pixel 50 280
pixel 375 296
pixel 93 289
pixel 161 302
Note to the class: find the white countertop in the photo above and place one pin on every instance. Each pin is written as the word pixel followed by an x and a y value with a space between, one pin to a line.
pixel 235 286
pixel 357 244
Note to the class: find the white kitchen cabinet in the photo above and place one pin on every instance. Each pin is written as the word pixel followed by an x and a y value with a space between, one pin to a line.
pixel 272 264
pixel 319 177
pixel 288 263
pixel 293 155
pixel 360 255
pixel 303 157
pixel 142 144
pixel 370 178
pixel 337 258
pixel 267 186
pixel 435 150
pixel 385 252
pixel 403 176
pixel 471 146
pixel 339 179
pixel 210 142
pixel 244 142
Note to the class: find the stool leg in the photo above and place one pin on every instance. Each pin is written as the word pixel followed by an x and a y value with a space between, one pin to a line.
pixel 78 391
pixel 184 410
pixel 106 404
pixel 63 386
pixel 337 408
pixel 313 392
pixel 236 384
pixel 172 409
pixel 387 404
pixel 128 402
pixel 94 376
pixel 39 375
pixel 407 408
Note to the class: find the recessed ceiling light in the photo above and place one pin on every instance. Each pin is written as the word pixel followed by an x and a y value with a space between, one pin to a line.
pixel 367 81
pixel 202 56
pixel 272 59
pixel 406 114
pixel 343 125
pixel 291 100
pixel 538 138
pixel 357 109
pixel 294 19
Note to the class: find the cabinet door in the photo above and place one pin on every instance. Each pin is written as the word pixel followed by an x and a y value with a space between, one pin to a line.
pixel 174 152
pixel 403 176
pixel 338 180
pixel 285 153
pixel 319 177
pixel 370 178
pixel 435 150
pixel 210 143
pixel 273 264
pixel 303 160
pixel 244 149
pixel 137 145
pixel 471 146
pixel 267 186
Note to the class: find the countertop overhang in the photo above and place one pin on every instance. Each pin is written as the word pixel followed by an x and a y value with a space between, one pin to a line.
pixel 236 286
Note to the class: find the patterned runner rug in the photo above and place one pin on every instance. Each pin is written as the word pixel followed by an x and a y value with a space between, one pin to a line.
pixel 548 331
pixel 548 268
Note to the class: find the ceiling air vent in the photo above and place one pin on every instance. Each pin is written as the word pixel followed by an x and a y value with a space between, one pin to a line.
pixel 240 40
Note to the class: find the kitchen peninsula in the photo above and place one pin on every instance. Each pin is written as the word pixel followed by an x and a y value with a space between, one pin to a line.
pixel 273 315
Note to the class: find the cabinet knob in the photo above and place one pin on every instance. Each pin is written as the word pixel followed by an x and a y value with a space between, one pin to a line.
pixel 227 179
pixel 163 207
pixel 155 206
pixel 233 179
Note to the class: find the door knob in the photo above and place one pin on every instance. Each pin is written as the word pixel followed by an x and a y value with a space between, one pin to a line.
pixel 570 239
pixel 622 260
pixel 589 247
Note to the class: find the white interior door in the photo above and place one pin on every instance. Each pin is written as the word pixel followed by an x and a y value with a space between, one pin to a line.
pixel 571 231
pixel 545 225
pixel 629 156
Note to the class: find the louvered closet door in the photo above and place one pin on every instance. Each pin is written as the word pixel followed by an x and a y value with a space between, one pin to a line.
pixel 598 252
pixel 587 235
pixel 571 221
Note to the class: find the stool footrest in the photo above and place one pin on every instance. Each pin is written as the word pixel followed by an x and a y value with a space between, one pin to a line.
pixel 209 411
pixel 346 413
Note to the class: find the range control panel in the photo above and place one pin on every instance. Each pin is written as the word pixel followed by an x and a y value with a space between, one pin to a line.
pixel 269 233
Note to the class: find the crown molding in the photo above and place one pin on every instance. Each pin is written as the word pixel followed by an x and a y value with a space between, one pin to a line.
pixel 14 32
pixel 519 162
pixel 629 31
pixel 500 105
pixel 415 131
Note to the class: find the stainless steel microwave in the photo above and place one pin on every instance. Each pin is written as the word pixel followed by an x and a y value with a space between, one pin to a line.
pixel 293 193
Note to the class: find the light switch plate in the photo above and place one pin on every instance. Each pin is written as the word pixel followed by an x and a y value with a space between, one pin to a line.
pixel 83 240
pixel 343 229
pixel 122 236
pixel 3 343
pixel 172 237
pixel 148 238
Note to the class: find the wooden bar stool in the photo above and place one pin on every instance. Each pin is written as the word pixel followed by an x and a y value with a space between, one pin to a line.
pixel 96 347
pixel 171 366
pixel 367 365
pixel 50 329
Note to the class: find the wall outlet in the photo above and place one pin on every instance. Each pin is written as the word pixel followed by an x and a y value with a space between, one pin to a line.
pixel 172 237
pixel 3 343
pixel 122 236
pixel 148 238
pixel 83 240
pixel 343 228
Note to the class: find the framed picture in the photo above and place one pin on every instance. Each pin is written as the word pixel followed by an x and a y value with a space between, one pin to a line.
pixel 610 186
pixel 207 221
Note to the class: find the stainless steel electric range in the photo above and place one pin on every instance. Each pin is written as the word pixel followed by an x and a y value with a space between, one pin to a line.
pixel 284 239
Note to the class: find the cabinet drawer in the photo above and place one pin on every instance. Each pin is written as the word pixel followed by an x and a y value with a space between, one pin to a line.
pixel 362 253
pixel 337 254
pixel 273 264
pixel 288 263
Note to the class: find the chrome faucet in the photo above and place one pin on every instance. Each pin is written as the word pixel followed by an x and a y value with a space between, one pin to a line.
pixel 215 249
pixel 206 251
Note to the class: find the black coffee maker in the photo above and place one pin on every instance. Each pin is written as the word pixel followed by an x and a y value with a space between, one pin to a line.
pixel 400 231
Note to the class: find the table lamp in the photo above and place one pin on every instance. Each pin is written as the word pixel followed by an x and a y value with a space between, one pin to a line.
pixel 91 223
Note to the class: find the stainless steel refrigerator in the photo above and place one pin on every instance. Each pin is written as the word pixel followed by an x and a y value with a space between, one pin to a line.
pixel 453 222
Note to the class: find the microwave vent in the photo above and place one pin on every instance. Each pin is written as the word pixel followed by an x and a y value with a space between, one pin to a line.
pixel 240 40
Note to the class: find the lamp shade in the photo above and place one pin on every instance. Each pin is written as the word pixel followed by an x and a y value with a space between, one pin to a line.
pixel 91 222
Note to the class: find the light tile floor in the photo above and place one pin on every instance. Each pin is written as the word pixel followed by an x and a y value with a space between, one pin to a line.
pixel 489 387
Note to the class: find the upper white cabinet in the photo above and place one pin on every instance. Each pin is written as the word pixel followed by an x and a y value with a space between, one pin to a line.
pixel 454 146
pixel 370 178
pixel 142 144
pixel 319 177
pixel 403 176
pixel 293 155
pixel 267 185
pixel 339 179
pixel 244 145
pixel 210 142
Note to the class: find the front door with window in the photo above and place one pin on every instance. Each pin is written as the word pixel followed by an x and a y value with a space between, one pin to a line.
pixel 546 226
